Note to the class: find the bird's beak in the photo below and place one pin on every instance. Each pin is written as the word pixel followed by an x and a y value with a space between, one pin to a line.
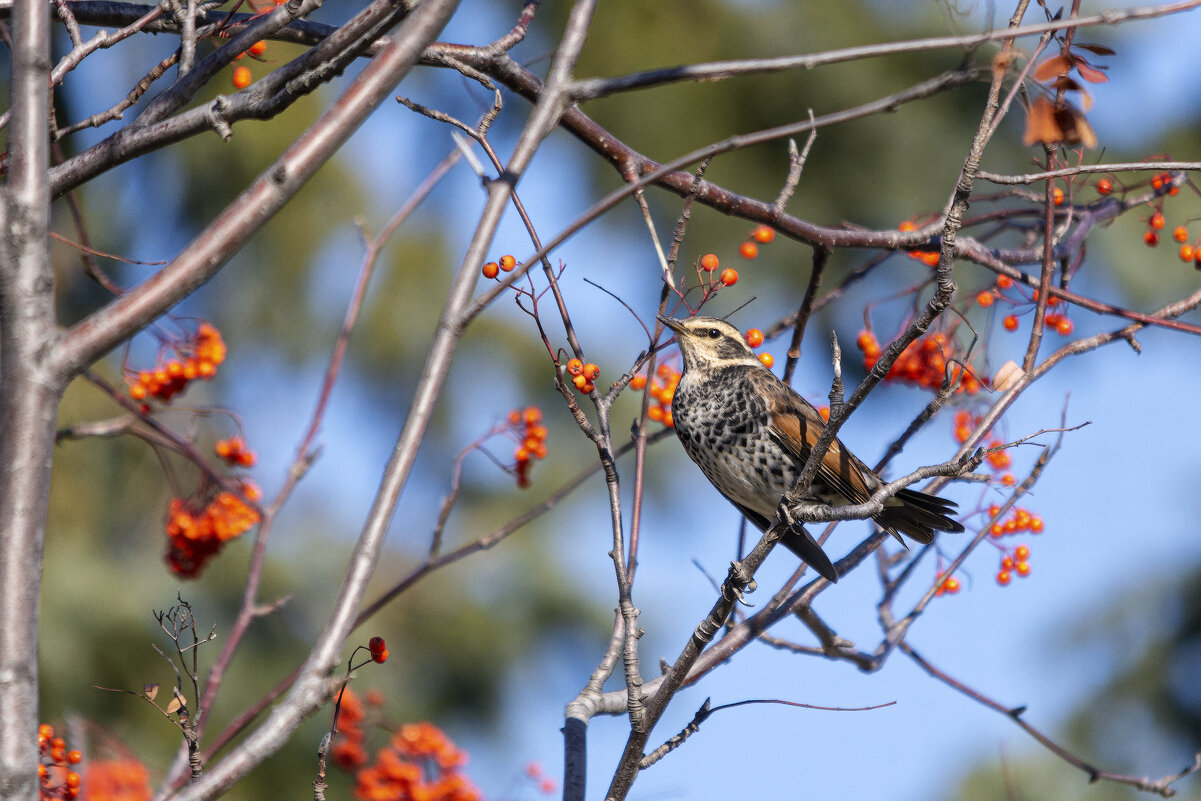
pixel 670 322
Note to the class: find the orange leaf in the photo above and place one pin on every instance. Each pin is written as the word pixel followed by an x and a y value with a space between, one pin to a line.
pixel 1042 127
pixel 1090 74
pixel 1052 67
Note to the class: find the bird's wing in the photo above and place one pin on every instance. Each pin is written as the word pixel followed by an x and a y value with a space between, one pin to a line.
pixel 796 425
pixel 798 540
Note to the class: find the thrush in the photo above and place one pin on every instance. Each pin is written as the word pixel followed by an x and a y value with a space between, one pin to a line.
pixel 751 434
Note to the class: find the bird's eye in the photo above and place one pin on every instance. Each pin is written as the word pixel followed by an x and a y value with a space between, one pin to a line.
pixel 714 333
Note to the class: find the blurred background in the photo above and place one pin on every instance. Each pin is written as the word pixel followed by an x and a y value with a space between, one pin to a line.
pixel 1102 642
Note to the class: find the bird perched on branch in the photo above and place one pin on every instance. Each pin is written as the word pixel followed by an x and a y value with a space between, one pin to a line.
pixel 750 433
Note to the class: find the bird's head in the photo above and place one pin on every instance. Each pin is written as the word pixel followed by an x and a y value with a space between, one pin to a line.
pixel 707 343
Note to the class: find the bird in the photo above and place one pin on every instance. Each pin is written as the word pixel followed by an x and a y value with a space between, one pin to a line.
pixel 751 434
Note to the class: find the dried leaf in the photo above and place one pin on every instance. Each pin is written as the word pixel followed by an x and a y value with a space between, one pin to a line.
pixel 1076 130
pixel 1042 127
pixel 1052 67
pixel 1090 73
pixel 1066 83
pixel 1007 376
pixel 1100 50
pixel 175 705
pixel 150 690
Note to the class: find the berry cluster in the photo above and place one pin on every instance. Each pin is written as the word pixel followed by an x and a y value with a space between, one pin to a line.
pixel 507 264
pixel 241 76
pixel 378 649
pixel 117 780
pixel 197 533
pixel 965 423
pixel 546 784
pixel 663 390
pixel 348 750
pixel 234 452
pixel 57 778
pixel 197 358
pixel 1055 321
pixel 947 584
pixel 1019 520
pixel 926 257
pixel 419 762
pixel 582 375
pixel 526 425
pixel 1015 563
pixel 923 363
pixel 728 277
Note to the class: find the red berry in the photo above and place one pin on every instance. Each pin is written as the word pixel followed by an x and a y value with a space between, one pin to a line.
pixel 1004 282
pixel 748 250
pixel 754 337
pixel 1157 221
pixel 985 299
pixel 1104 186
pixel 763 234
pixel 1151 238
pixel 1010 322
pixel 709 262
pixel 729 276
pixel 1180 233
pixel 241 77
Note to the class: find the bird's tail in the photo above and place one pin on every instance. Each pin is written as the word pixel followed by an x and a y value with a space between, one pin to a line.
pixel 917 515
pixel 801 543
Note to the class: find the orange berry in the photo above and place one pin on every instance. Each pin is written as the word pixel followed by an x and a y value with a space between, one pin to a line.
pixel 241 77
pixel 591 371
pixel 258 48
pixel 1007 563
pixel 74 757
pixel 1187 252
pixel 824 411
pixel 491 269
pixel 1180 233
pixel 1010 322
pixel 1064 326
pixel 579 381
pixel 588 388
pixel 951 585
pixel 521 454
pixel 532 415
pixel 908 225
pixel 709 262
pixel 768 360
pixel 1004 577
pixel 1036 525
pixel 985 299
pixel 748 250
pixel 1157 182
pixel 638 381
pixel 764 234
pixel 575 367
pixel 1023 568
pixel 1057 196
pixel 1151 238
pixel 381 657
pixel 1004 282
pixel 1008 480
pixel 1104 186
pixel 668 420
pixel 137 392
pixel 930 259
pixel 1157 221
pixel 655 413
pixel 729 276
pixel 1022 552
pixel 754 337
pixel 507 263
